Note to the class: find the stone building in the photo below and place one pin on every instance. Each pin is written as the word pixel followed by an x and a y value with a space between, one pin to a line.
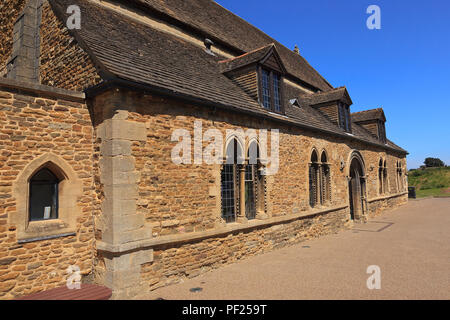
pixel 87 122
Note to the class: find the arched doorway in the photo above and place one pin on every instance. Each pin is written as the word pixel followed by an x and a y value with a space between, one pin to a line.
pixel 357 187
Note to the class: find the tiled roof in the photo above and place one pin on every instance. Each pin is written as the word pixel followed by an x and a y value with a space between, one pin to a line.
pixel 127 50
pixel 245 59
pixel 307 114
pixel 143 54
pixel 366 115
pixel 337 94
pixel 222 25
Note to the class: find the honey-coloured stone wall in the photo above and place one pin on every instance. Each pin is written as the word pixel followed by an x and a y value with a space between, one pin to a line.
pixel 180 203
pixel 37 130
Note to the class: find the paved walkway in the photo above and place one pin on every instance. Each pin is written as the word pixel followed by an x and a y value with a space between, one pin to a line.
pixel 410 244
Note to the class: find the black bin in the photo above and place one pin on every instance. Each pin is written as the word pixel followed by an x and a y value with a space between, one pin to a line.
pixel 412 192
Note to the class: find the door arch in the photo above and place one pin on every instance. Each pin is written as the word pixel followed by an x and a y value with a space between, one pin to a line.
pixel 357 186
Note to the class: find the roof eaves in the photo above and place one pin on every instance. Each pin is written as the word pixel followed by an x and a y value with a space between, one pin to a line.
pixel 128 84
pixel 185 24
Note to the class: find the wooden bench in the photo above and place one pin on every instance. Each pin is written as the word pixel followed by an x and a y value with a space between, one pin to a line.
pixel 86 292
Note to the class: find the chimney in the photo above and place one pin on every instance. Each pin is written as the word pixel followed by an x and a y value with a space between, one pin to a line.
pixel 23 64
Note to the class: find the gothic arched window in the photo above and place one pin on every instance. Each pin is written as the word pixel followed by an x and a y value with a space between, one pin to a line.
pixel 242 182
pixel 43 196
pixel 325 185
pixel 380 177
pixel 230 181
pixel 385 177
pixel 251 181
pixel 400 184
pixel 314 194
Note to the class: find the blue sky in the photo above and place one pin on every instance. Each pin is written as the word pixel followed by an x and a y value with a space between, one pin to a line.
pixel 404 67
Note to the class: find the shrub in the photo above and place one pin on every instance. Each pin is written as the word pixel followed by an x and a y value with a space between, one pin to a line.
pixel 434 162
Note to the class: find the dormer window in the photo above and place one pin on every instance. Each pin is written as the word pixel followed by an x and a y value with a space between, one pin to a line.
pixel 381 131
pixel 373 121
pixel 260 74
pixel 344 117
pixel 271 90
pixel 265 82
pixel 333 104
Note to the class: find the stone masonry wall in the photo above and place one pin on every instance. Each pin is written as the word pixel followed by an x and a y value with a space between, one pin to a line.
pixel 32 127
pixel 63 63
pixel 171 209
pixel 179 200
pixel 377 206
pixel 175 262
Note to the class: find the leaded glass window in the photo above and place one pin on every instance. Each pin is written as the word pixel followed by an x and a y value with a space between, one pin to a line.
pixel 312 185
pixel 314 191
pixel 228 184
pixel 266 88
pixel 250 191
pixel 276 93
pixel 270 90
pixel 380 177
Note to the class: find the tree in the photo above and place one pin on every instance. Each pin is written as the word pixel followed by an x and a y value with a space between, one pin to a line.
pixel 434 162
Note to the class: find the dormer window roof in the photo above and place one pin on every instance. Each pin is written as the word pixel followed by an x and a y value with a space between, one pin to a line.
pixel 267 82
pixel 333 104
pixel 374 121
pixel 265 55
pixel 369 115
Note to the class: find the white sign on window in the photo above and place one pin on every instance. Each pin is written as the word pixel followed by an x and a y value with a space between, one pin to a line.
pixel 47 211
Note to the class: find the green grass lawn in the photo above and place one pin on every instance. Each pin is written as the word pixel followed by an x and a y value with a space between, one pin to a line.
pixel 433 193
pixel 430 182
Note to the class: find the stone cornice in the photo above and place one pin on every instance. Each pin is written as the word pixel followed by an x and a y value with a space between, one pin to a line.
pixel 42 90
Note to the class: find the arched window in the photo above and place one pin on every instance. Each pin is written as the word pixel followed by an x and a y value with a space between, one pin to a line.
pixel 399 176
pixel 380 177
pixel 325 185
pixel 313 179
pixel 402 181
pixel 47 191
pixel 242 183
pixel 230 181
pixel 253 182
pixel 43 196
pixel 385 177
